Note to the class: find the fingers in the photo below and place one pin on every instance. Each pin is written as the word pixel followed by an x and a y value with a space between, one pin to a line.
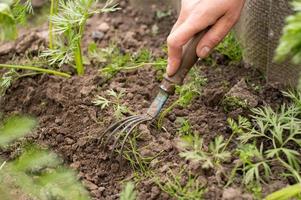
pixel 214 36
pixel 179 37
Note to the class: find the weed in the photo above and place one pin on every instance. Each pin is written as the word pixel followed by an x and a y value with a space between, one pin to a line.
pixel 128 192
pixel 162 14
pixel 115 102
pixel 185 128
pixel 116 61
pixel 5 81
pixel 13 13
pixel 186 93
pixel 36 172
pixel 231 103
pixel 139 163
pixel 68 27
pixel 193 150
pixel 175 187
pixel 230 48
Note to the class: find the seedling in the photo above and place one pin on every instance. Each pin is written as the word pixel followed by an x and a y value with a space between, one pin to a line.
pixel 281 130
pixel 115 61
pixel 139 163
pixel 253 162
pixel 115 102
pixel 232 103
pixel 128 192
pixel 185 128
pixel 193 150
pixel 36 172
pixel 13 13
pixel 174 186
pixel 187 93
pixel 230 48
pixel 68 27
pixel 5 81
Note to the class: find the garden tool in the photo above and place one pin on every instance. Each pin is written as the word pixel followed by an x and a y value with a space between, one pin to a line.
pixel 124 128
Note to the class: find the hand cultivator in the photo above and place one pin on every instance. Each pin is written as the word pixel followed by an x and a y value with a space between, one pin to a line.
pixel 125 127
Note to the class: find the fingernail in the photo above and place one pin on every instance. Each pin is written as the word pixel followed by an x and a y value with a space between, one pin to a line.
pixel 204 52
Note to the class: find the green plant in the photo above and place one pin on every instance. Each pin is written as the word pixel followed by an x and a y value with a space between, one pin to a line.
pixel 290 42
pixel 68 27
pixel 174 186
pixel 5 81
pixel 287 193
pixel 53 11
pixel 231 103
pixel 36 172
pixel 115 102
pixel 115 61
pixel 128 192
pixel 230 48
pixel 187 93
pixel 7 78
pixel 12 13
pixel 139 163
pixel 193 150
pixel 280 131
pixel 253 162
pixel 185 128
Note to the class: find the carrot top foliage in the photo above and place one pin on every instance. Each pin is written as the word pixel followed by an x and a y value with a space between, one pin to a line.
pixel 68 26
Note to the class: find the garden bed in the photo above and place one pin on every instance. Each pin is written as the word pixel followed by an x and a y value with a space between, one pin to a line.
pixel 71 125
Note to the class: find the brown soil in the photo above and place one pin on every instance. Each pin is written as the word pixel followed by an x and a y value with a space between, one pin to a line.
pixel 71 125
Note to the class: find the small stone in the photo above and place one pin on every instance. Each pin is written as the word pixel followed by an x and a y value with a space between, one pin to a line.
pixel 231 194
pixel 97 35
pixel 146 153
pixel 91 186
pixel 104 27
pixel 101 189
pixel 145 132
pixel 7 48
pixel 69 141
pixel 81 142
pixel 130 95
pixel 75 165
pixel 59 138
pixel 115 167
pixel 155 192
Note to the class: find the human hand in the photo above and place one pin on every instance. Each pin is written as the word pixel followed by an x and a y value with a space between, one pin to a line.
pixel 195 16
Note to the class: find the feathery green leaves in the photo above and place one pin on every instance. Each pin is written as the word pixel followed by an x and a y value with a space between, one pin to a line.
pixel 128 193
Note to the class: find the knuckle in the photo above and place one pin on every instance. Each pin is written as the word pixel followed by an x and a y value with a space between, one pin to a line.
pixel 214 39
pixel 171 41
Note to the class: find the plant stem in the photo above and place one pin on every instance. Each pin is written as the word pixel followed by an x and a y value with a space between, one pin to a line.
pixel 165 112
pixel 53 11
pixel 38 69
pixel 79 59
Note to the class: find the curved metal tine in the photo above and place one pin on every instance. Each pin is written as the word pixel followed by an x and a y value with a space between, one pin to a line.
pixel 123 130
pixel 116 125
pixel 119 127
pixel 128 134
pixel 113 126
